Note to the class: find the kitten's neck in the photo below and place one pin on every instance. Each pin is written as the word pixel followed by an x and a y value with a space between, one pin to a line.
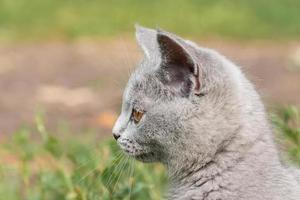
pixel 219 172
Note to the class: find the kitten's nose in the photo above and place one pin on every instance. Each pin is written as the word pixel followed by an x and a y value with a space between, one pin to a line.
pixel 116 136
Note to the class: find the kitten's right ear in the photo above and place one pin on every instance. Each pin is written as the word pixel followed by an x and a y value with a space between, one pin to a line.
pixel 147 40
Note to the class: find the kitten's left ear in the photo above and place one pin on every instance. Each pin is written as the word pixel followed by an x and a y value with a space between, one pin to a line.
pixel 179 70
pixel 146 38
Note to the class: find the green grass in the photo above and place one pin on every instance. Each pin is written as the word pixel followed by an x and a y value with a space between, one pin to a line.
pixel 69 19
pixel 287 122
pixel 36 165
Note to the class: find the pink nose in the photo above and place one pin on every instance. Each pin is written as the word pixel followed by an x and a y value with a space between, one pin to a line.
pixel 116 136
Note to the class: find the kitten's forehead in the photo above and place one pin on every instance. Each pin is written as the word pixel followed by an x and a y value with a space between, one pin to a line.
pixel 138 85
pixel 145 84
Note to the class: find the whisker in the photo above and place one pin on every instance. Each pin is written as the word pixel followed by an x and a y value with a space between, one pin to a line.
pixel 86 175
pixel 120 168
pixel 125 50
pixel 117 157
pixel 120 174
pixel 116 169
pixel 129 170
pixel 93 157
pixel 86 162
pixel 131 177
pixel 128 59
pixel 119 84
pixel 117 160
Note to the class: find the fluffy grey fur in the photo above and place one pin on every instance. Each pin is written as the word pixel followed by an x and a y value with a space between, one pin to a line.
pixel 204 121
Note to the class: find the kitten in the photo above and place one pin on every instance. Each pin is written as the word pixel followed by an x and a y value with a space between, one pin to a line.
pixel 194 111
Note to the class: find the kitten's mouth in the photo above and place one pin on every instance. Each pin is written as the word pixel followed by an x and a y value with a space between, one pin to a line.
pixel 145 157
pixel 141 155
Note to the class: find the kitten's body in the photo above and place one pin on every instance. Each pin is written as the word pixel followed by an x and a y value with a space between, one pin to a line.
pixel 248 166
pixel 217 145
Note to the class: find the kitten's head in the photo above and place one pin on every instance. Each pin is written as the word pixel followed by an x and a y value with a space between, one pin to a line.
pixel 179 104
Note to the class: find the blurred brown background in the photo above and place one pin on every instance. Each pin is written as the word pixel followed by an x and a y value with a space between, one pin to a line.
pixel 81 83
pixel 71 59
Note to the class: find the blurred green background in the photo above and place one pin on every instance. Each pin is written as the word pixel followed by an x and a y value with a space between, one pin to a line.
pixel 34 19
pixel 63 67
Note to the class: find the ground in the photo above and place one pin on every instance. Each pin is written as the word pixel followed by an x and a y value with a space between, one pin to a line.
pixel 79 84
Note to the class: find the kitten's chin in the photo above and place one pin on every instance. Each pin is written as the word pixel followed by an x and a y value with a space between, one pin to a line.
pixel 145 157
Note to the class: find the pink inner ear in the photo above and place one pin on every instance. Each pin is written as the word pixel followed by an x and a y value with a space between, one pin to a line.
pixel 173 53
pixel 197 81
pixel 178 66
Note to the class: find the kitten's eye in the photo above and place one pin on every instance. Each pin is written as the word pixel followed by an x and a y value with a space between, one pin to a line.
pixel 137 115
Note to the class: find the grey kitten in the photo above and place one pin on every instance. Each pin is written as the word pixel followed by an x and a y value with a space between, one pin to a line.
pixel 194 111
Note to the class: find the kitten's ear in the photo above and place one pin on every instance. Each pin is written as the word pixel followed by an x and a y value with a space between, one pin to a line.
pixel 147 41
pixel 178 68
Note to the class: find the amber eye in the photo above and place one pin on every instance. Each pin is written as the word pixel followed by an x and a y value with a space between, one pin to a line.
pixel 137 115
